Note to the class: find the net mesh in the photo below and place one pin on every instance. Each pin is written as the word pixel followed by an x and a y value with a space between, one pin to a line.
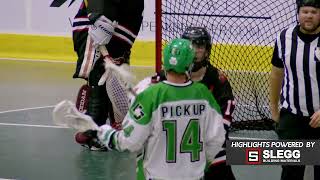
pixel 243 34
pixel 118 96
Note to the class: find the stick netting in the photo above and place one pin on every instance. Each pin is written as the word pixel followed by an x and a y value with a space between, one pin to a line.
pixel 243 34
pixel 118 96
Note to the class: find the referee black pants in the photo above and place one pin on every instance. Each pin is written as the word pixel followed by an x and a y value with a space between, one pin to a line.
pixel 292 126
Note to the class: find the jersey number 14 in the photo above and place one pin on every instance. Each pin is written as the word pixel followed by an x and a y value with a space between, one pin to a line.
pixel 189 143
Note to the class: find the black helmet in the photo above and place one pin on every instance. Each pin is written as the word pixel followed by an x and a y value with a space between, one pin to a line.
pixel 198 35
pixel 313 3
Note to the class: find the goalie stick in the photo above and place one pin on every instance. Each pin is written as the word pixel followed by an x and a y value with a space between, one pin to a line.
pixel 117 80
pixel 122 71
pixel 66 114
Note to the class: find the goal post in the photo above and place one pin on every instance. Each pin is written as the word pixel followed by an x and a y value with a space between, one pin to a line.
pixel 243 34
pixel 158 12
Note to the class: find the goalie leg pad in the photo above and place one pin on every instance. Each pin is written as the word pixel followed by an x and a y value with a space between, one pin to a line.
pixel 98 105
pixel 110 100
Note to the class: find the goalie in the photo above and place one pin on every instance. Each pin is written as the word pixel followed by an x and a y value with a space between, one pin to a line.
pixel 98 25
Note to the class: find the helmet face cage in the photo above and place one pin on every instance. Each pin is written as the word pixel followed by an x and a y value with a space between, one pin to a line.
pixel 198 36
pixel 178 56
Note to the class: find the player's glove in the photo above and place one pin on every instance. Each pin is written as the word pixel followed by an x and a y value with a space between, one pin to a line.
pixel 105 135
pixel 89 139
pixel 102 29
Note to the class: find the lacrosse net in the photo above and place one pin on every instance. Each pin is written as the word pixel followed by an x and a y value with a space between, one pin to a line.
pixel 243 34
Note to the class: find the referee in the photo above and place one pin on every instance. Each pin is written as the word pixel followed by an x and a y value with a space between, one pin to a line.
pixel 295 82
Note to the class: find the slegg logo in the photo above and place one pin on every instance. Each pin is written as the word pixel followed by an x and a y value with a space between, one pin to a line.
pixel 256 156
pixel 253 156
pixel 281 155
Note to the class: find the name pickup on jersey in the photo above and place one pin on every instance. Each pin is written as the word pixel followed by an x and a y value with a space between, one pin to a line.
pixel 171 111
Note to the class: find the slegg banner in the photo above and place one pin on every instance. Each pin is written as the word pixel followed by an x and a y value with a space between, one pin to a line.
pixel 273 152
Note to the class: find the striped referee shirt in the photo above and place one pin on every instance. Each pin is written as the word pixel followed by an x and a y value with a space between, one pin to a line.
pixel 295 52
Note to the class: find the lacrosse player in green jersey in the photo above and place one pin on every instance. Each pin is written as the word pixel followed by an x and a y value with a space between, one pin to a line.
pixel 175 123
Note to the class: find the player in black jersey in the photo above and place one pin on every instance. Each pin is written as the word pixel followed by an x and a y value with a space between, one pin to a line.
pixel 220 87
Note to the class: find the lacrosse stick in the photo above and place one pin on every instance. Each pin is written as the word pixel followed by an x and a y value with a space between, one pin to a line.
pixel 65 114
pixel 122 71
pixel 117 80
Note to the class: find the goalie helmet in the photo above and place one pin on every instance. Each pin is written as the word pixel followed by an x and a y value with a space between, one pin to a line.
pixel 198 36
pixel 178 56
pixel 201 37
pixel 313 3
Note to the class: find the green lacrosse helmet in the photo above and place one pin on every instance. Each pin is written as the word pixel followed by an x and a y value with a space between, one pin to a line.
pixel 178 56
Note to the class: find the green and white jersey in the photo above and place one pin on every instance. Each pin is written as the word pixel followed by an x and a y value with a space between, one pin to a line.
pixel 178 126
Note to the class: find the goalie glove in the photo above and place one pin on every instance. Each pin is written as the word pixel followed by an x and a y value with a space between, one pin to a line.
pixel 102 30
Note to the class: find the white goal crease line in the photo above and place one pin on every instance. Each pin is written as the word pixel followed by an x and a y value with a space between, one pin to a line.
pixel 32 125
pixel 26 109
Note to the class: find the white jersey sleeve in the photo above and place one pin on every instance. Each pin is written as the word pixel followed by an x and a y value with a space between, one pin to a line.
pixel 215 135
pixel 132 137
pixel 134 134
pixel 136 126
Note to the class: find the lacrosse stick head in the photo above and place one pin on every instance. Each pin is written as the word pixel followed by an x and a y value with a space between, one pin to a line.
pixel 122 72
pixel 66 114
